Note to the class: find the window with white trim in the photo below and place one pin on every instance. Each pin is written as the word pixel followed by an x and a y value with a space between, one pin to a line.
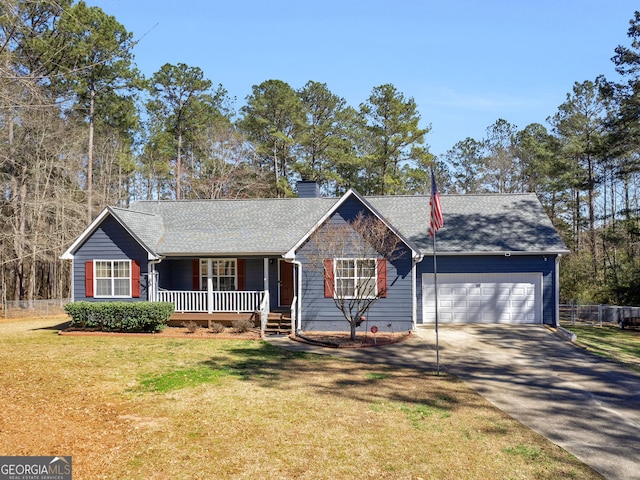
pixel 112 278
pixel 223 274
pixel 356 278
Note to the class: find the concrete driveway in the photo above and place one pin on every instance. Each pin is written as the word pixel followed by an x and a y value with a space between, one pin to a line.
pixel 587 405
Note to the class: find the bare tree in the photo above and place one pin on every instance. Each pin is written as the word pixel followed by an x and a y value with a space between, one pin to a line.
pixel 352 257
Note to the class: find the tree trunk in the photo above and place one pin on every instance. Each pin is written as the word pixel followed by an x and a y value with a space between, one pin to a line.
pixel 275 167
pixel 90 158
pixel 179 166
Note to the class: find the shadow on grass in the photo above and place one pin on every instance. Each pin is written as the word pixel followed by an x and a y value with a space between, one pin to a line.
pixel 58 327
pixel 370 382
pixel 263 363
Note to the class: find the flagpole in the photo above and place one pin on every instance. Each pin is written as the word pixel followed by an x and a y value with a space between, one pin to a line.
pixel 435 286
pixel 435 223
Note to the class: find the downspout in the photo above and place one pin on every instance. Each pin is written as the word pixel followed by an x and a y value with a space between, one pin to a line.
pixel 414 299
pixel 414 291
pixel 152 271
pixel 557 289
pixel 73 275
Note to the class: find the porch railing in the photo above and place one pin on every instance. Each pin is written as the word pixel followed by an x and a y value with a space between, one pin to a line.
pixel 211 302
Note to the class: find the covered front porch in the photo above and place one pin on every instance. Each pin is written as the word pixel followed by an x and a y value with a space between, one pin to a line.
pixel 225 289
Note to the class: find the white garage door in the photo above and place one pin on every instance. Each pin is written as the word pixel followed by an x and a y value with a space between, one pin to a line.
pixel 483 298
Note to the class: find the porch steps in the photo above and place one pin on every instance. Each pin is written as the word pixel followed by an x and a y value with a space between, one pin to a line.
pixel 278 323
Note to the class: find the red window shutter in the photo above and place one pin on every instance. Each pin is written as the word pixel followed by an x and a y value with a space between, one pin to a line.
pixel 135 278
pixel 195 276
pixel 241 274
pixel 329 281
pixel 382 277
pixel 88 278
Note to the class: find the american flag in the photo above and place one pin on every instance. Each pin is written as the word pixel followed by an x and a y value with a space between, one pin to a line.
pixel 436 209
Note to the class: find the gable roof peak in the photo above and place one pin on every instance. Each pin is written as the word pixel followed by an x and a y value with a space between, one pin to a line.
pixel 352 193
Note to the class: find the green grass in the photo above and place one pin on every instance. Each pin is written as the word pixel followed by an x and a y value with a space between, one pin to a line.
pixel 189 377
pixel 622 346
pixel 528 452
pixel 154 407
pixel 416 414
pixel 377 376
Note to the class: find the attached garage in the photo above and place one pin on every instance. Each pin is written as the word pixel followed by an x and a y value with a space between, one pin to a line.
pixel 483 298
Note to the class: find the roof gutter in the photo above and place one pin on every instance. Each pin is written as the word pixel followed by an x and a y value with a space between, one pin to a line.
pixel 220 254
pixel 506 253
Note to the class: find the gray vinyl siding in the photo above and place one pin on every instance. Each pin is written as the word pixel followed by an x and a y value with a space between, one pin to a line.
pixel 544 264
pixel 110 241
pixel 391 313
pixel 254 277
pixel 175 274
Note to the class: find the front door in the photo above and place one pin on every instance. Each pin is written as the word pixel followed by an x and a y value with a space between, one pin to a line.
pixel 286 283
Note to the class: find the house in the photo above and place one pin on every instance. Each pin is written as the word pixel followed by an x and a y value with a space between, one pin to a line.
pixel 497 259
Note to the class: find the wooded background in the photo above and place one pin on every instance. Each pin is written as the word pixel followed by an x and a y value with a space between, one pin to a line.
pixel 81 128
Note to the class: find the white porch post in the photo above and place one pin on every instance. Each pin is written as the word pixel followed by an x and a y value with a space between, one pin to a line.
pixel 265 280
pixel 152 289
pixel 209 286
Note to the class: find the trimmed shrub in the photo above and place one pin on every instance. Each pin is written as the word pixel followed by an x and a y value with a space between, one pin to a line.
pixel 191 326
pixel 241 326
pixel 120 316
pixel 216 327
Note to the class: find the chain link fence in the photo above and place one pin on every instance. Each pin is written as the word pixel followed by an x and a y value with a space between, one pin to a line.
pixel 574 314
pixel 32 308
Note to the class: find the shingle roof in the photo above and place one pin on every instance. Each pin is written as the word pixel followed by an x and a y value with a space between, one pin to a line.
pixel 473 224
pixel 146 226
pixel 255 226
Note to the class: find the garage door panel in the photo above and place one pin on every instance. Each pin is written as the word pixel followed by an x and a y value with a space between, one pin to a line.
pixel 460 302
pixel 484 298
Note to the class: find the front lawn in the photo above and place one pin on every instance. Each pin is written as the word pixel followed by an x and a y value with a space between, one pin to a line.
pixel 622 346
pixel 156 407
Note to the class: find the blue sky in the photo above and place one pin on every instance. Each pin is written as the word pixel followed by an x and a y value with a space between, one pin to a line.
pixel 466 63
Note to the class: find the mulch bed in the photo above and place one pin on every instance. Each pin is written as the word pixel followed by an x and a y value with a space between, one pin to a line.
pixel 343 340
pixel 173 332
pixel 325 339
